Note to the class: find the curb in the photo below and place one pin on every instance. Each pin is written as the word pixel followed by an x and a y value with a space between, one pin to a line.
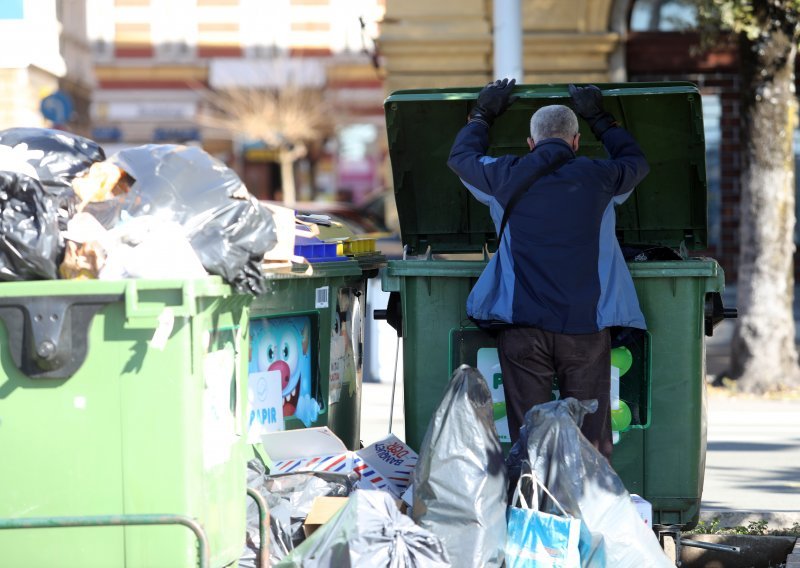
pixel 775 520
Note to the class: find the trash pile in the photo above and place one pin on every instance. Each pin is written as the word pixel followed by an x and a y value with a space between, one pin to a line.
pixel 153 211
pixel 330 506
pixel 553 501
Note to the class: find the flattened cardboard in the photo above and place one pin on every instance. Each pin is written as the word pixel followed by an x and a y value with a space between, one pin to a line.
pixel 307 449
pixel 388 464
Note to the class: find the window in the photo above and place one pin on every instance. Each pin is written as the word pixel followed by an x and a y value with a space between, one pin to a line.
pixel 663 15
pixel 11 10
pixel 712 114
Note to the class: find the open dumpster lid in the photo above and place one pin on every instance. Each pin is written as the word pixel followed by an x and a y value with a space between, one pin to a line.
pixel 434 208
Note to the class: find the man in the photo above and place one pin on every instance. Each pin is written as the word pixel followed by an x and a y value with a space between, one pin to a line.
pixel 558 281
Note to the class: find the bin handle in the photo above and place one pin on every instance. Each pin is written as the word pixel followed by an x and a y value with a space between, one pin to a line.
pixel 48 336
pixel 715 312
pixel 263 527
pixel 146 315
pixel 204 552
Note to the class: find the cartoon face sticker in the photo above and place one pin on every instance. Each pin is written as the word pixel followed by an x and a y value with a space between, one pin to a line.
pixel 283 345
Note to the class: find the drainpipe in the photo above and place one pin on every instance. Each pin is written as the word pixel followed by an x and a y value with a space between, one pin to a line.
pixel 508 39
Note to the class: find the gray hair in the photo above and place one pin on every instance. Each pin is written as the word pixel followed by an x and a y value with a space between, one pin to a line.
pixel 554 121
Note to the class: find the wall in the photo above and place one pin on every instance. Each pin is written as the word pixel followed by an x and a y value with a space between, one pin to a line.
pixel 441 44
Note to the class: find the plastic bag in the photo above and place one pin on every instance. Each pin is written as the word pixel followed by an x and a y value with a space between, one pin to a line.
pixel 289 498
pixel 585 484
pixel 369 532
pixel 142 247
pixel 226 226
pixel 56 157
pixel 460 480
pixel 30 242
pixel 540 538
pixel 63 157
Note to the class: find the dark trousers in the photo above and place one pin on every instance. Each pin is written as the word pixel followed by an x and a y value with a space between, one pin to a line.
pixel 531 357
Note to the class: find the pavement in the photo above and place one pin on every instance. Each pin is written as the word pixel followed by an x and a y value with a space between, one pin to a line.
pixel 753 451
pixel 381 412
pixel 752 461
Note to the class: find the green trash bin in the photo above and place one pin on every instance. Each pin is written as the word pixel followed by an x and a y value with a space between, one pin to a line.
pixel 660 455
pixel 122 423
pixel 306 342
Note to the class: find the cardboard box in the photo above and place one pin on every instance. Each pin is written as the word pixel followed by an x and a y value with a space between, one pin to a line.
pixel 644 508
pixel 387 464
pixel 285 226
pixel 308 449
pixel 322 510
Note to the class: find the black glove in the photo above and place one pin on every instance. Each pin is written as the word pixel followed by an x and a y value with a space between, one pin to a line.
pixel 493 100
pixel 588 102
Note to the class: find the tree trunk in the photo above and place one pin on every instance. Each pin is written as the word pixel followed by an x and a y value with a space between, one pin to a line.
pixel 287 179
pixel 288 157
pixel 763 351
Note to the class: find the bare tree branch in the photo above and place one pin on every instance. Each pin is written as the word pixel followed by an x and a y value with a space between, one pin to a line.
pixel 290 118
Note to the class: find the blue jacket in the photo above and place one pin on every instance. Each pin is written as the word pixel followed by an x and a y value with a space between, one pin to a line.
pixel 559 266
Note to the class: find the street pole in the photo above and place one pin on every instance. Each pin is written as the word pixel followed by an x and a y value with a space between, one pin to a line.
pixel 508 39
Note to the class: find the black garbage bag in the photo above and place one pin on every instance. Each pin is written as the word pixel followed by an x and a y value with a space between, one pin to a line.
pixel 58 157
pixel 226 226
pixel 460 479
pixel 368 532
pixel 30 241
pixel 65 155
pixel 289 498
pixel 585 484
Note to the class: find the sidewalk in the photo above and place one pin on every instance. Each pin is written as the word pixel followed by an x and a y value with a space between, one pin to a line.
pixel 376 410
pixel 753 455
pixel 752 459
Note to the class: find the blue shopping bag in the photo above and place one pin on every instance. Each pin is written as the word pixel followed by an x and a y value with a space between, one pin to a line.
pixel 539 539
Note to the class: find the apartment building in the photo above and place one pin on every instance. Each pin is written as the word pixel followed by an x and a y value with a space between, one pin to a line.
pixel 46 75
pixel 155 63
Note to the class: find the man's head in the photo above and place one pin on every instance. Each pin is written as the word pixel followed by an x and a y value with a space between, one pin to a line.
pixel 554 121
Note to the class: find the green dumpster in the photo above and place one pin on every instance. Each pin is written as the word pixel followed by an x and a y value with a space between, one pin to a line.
pixel 122 423
pixel 660 451
pixel 306 341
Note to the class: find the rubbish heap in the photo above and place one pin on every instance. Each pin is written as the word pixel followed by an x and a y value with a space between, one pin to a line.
pixel 67 211
pixel 151 211
pixel 452 505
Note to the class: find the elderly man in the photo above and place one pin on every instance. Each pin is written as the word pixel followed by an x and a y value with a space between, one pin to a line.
pixel 558 281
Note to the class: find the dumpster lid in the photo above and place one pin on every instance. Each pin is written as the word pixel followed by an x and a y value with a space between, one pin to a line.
pixel 668 208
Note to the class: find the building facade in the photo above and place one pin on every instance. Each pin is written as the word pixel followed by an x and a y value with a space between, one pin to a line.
pixel 156 61
pixel 137 72
pixel 45 58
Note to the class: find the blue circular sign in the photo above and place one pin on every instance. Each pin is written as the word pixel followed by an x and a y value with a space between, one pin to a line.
pixel 57 107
